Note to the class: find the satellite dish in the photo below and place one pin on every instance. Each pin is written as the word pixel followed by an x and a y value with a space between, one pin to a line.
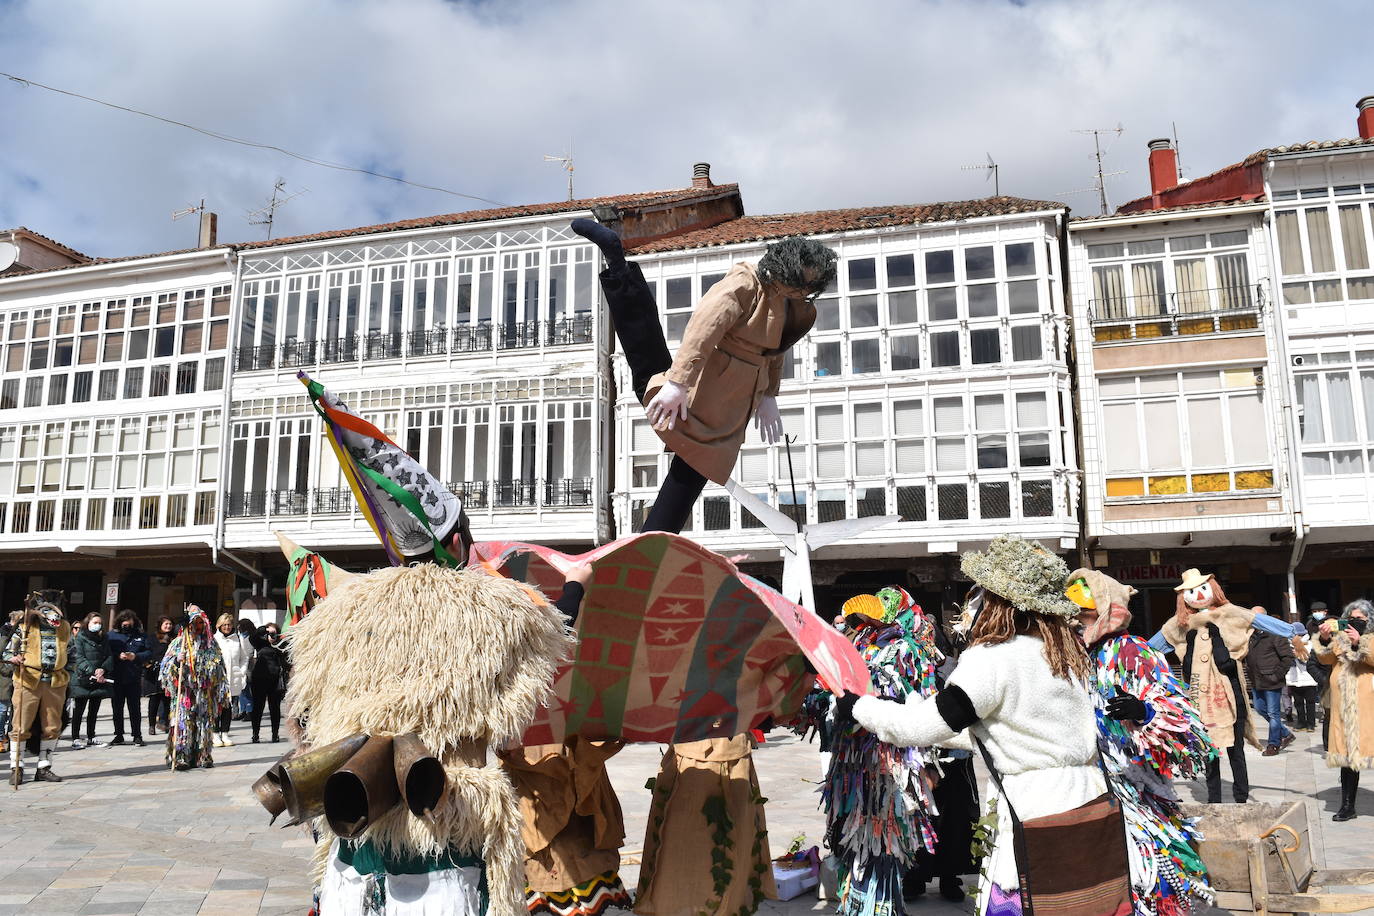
pixel 9 253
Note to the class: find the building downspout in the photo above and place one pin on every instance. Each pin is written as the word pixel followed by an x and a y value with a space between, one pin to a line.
pixel 226 438
pixel 1289 427
pixel 1075 402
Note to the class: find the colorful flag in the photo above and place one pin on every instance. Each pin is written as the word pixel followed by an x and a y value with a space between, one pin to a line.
pixel 675 643
pixel 410 512
pixel 309 580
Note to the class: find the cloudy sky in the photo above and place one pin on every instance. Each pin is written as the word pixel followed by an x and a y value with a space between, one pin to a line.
pixel 806 103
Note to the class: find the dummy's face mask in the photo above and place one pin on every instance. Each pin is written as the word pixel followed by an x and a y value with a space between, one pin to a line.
pixel 1081 594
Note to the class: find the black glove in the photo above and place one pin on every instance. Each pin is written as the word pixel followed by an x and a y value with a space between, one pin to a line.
pixel 844 710
pixel 1124 707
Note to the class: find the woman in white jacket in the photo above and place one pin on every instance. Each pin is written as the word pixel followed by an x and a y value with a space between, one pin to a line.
pixel 238 655
pixel 1020 688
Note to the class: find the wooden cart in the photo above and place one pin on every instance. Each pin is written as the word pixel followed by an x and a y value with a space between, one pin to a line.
pixel 1259 858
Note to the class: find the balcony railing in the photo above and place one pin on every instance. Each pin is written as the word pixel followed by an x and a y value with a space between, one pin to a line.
pixel 572 492
pixel 1201 311
pixel 465 338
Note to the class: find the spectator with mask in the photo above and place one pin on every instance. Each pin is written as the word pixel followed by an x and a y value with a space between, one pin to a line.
pixel 244 710
pixel 163 634
pixel 92 680
pixel 129 648
pixel 1347 646
pixel 1302 686
pixel 267 680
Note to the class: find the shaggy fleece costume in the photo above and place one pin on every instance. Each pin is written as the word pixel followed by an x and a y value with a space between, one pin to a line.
pixel 1352 700
pixel 462 658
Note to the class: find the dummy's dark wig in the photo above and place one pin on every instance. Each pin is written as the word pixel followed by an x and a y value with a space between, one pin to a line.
pixel 788 262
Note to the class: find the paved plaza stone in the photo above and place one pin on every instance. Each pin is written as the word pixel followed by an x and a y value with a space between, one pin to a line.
pixel 125 835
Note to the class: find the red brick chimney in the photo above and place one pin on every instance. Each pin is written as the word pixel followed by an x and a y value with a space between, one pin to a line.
pixel 701 175
pixel 1163 167
pixel 1365 120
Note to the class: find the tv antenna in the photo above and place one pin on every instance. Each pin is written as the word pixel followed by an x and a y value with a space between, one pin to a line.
pixel 187 211
pixel 1098 153
pixel 991 169
pixel 567 166
pixel 1178 156
pixel 265 216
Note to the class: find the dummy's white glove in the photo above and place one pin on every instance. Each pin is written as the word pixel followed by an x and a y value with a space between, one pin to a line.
pixel 667 407
pixel 767 420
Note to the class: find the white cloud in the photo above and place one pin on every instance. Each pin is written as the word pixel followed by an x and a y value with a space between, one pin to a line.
pixel 806 103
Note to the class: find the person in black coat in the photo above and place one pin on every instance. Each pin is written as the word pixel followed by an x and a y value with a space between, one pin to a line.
pixel 267 678
pixel 130 650
pixel 92 677
pixel 163 634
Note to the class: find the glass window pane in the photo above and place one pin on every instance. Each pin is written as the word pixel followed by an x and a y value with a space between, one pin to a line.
pixel 909 416
pixel 1249 430
pixel 994 500
pixel 1023 297
pixel 1121 450
pixel 949 415
pixel 1204 428
pixel 992 451
pixel 1352 237
pixel 1340 407
pixel 939 267
pixel 1319 240
pixel 868 421
pixel 906 353
pixel 1034 450
pixel 985 346
pixel 1290 242
pixel 904 307
pixel 1026 342
pixel 1020 259
pixel 982 301
pixel 863 312
pixel 989 412
pixel 828 358
pixel 1037 498
pixel 979 264
pixel 829 422
pixel 1310 422
pixel 951 455
pixel 827 315
pixel 1163 446
pixel 901 270
pixel 870 460
pixel 943 304
pixel 952 500
pixel 864 356
pixel 862 274
pixel 944 348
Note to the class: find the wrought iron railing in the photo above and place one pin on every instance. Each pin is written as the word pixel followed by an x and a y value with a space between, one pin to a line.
pixel 1202 311
pixel 564 331
pixel 517 336
pixel 247 359
pixel 572 492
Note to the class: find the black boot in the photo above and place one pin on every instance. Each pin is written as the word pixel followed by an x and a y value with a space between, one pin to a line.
pixel 1350 784
pixel 951 888
pixel 602 237
pixel 45 774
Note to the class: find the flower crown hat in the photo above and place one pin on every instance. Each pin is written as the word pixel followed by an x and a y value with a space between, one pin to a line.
pixel 1022 572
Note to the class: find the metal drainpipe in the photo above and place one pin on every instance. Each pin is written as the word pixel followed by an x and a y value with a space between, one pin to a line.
pixel 226 437
pixel 1289 427
pixel 1075 401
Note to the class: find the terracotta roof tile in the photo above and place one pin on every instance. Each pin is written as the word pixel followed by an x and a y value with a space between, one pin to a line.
pixel 821 222
pixel 53 242
pixel 1209 205
pixel 641 200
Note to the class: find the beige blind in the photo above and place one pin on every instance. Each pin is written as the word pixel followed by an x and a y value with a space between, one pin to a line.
pixel 1290 243
pixel 1319 240
pixel 1352 238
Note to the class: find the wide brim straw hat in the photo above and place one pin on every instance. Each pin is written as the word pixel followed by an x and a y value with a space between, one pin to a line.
pixel 1024 573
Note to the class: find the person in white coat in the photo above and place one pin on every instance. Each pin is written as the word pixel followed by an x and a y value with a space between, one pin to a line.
pixel 238 656
pixel 1021 689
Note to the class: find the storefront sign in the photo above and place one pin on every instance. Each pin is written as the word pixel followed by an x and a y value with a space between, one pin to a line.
pixel 1148 573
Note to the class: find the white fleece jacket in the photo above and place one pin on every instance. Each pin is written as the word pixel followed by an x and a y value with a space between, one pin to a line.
pixel 1040 730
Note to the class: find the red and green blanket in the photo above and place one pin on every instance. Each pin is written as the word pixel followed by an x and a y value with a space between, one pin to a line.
pixel 675 643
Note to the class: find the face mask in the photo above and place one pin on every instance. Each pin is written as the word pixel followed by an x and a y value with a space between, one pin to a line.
pixel 1358 624
pixel 126 626
pixel 94 628
pixel 1319 615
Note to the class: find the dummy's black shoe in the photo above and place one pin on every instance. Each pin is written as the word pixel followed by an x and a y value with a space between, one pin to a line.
pixel 952 889
pixel 602 237
pixel 45 774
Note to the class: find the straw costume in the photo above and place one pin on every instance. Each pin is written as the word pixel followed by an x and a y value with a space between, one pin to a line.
pixel 878 796
pixel 1149 733
pixel 193 675
pixel 37 651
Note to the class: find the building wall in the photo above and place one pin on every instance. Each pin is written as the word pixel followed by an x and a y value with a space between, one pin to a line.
pixel 1180 381
pixel 934 388
pixel 478 350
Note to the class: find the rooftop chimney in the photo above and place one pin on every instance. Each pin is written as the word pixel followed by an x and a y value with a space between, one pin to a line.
pixel 1365 120
pixel 701 175
pixel 1163 167
pixel 209 229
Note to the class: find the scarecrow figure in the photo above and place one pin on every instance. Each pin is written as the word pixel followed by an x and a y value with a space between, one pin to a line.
pixel 728 366
pixel 1211 637
pixel 37 652
pixel 1149 733
pixel 193 675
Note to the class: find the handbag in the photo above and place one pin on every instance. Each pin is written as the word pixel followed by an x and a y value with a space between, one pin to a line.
pixel 1073 863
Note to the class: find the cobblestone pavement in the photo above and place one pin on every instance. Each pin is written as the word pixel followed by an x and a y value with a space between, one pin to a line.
pixel 124 835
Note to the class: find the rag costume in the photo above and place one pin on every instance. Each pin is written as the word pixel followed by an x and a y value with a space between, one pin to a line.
pixel 460 659
pixel 1211 637
pixel 1351 735
pixel 1149 733
pixel 37 651
pixel 194 678
pixel 730 358
pixel 1039 729
pixel 706 843
pixel 878 796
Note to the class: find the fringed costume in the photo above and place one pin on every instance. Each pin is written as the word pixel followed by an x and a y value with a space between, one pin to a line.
pixel 193 675
pixel 37 653
pixel 879 797
pixel 1143 755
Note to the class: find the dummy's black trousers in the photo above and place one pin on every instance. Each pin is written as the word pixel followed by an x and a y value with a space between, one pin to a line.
pixel 1240 776
pixel 637 327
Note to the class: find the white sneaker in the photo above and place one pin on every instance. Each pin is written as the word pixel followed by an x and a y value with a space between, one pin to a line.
pixel 215 740
pixel 224 737
pixel 78 744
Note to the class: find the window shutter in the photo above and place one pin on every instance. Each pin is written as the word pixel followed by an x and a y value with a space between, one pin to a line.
pixel 753 466
pixel 869 460
pixel 1249 442
pixel 951 455
pixel 1120 437
pixel 911 456
pixel 909 418
pixel 1032 411
pixel 829 423
pixel 949 415
pixel 830 461
pixel 643 436
pixel 868 421
pixel 1205 433
pixel 1162 444
pixel 989 412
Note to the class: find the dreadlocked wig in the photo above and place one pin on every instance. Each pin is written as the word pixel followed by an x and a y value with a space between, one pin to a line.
pixel 1000 620
pixel 798 262
pixel 461 657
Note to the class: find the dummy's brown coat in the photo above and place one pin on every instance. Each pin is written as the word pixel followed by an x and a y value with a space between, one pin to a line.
pixel 731 356
pixel 1352 700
